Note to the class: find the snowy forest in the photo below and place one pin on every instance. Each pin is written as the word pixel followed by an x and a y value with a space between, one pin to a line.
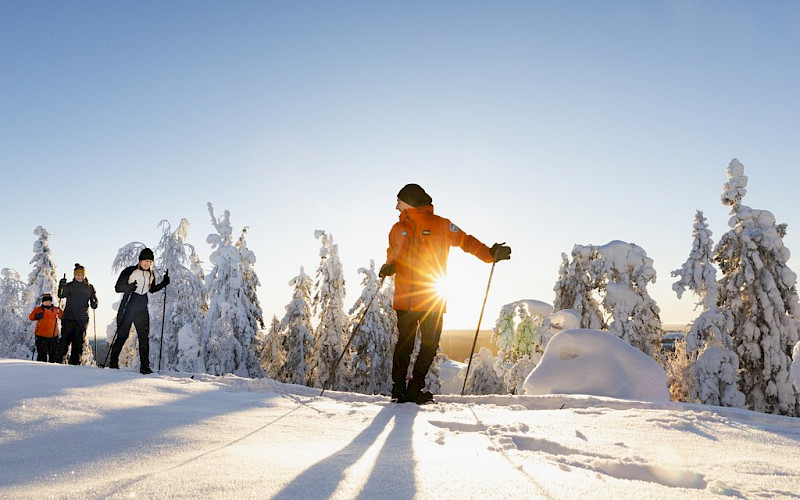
pixel 738 352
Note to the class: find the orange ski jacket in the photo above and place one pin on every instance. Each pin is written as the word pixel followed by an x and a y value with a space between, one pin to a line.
pixel 419 245
pixel 46 327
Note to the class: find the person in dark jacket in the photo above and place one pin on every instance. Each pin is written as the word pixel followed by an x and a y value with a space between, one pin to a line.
pixel 46 317
pixel 80 296
pixel 135 282
pixel 419 245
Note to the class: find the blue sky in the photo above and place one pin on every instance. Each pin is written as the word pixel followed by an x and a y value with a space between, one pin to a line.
pixel 542 124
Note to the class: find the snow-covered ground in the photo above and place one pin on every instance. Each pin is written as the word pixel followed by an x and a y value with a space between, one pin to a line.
pixel 82 432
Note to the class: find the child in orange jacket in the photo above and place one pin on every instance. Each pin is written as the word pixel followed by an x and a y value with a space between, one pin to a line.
pixel 46 317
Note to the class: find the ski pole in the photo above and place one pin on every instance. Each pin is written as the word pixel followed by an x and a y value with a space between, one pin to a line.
pixel 108 351
pixel 163 318
pixel 120 316
pixel 475 340
pixel 57 349
pixel 355 330
pixel 94 325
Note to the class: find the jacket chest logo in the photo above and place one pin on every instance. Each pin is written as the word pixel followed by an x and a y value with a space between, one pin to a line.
pixel 426 232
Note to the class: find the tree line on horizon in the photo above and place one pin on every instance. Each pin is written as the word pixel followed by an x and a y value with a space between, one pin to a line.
pixel 738 352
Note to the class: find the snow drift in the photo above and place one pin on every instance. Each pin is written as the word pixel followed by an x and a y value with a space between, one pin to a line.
pixel 597 363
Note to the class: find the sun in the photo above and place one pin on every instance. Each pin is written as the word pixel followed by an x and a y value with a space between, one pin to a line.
pixel 443 287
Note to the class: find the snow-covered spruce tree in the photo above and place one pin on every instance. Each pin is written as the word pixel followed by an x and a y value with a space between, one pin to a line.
pixel 518 330
pixel 186 303
pixel 370 357
pixel 328 307
pixel 297 333
pixel 482 378
pixel 272 355
pixel 251 281
pixel 635 316
pixel 505 327
pixel 698 273
pixel 759 288
pixel 255 315
pixel 514 377
pixel 229 326
pixel 15 338
pixel 576 285
pixel 521 333
pixel 618 273
pixel 43 278
pixel 704 367
pixel 715 376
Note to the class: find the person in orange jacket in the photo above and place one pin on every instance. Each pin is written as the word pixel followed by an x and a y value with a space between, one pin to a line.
pixel 46 317
pixel 419 245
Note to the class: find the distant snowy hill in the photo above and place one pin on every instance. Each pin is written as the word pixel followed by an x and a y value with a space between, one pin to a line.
pixel 82 432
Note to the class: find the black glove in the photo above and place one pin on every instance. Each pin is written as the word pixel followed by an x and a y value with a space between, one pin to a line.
pixel 386 270
pixel 62 282
pixel 166 280
pixel 93 303
pixel 132 286
pixel 500 252
pixel 38 316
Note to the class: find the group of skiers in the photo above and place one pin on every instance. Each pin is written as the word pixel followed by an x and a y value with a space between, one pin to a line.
pixel 134 281
pixel 80 295
pixel 419 245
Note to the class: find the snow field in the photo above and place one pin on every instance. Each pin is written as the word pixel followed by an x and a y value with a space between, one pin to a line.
pixel 79 432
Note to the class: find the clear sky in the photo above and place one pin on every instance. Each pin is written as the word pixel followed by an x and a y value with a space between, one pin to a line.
pixel 542 124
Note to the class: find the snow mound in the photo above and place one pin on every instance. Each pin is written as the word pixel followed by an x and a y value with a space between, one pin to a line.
pixel 597 363
pixel 565 319
pixel 535 307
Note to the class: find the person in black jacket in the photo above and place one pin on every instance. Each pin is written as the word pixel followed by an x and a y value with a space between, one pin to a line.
pixel 135 282
pixel 80 295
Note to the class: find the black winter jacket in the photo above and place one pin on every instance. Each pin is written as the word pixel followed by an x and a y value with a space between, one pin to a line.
pixel 128 289
pixel 79 295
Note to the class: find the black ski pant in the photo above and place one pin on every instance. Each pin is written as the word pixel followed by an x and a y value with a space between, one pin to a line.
pixel 72 333
pixel 46 349
pixel 140 318
pixel 430 326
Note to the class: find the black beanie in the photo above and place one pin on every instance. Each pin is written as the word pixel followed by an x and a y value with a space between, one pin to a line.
pixel 47 296
pixel 414 195
pixel 78 269
pixel 146 254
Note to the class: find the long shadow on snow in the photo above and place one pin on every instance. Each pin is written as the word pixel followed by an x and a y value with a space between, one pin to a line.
pixel 117 433
pixel 392 475
pixel 50 379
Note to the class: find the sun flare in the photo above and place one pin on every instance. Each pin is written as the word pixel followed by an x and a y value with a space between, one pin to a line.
pixel 443 287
